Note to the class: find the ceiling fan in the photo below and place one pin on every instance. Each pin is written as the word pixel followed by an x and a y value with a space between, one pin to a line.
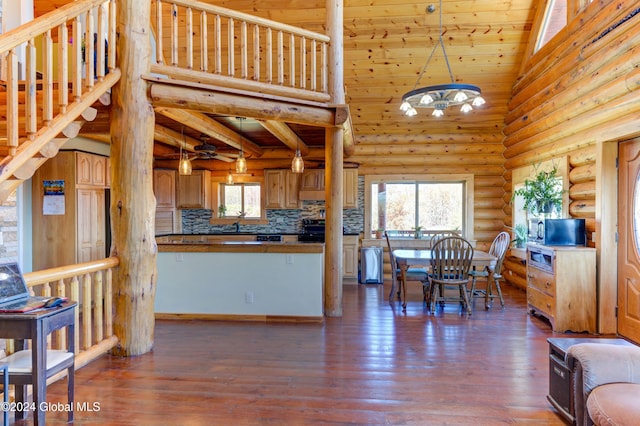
pixel 205 151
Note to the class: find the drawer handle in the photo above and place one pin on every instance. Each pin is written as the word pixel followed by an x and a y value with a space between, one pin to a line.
pixel 548 284
pixel 548 306
pixel 558 371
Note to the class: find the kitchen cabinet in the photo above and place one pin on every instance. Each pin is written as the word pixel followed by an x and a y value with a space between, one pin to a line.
pixel 350 259
pixel 282 187
pixel 350 192
pixel 72 226
pixel 194 190
pixel 312 186
pixel 561 286
pixel 164 188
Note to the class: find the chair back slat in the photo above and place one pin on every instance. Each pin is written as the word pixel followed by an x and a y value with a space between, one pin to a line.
pixel 451 259
pixel 499 249
pixel 392 259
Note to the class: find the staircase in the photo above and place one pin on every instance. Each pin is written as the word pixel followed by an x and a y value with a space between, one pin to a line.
pixel 46 102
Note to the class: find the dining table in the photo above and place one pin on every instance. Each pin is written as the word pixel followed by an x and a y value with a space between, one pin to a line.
pixel 406 258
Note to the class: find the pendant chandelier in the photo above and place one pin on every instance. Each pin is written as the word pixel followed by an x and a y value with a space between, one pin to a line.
pixel 229 179
pixel 184 166
pixel 241 162
pixel 441 96
pixel 297 165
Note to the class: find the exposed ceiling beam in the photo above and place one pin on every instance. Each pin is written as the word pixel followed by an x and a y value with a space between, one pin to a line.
pixel 170 137
pixel 210 127
pixel 284 133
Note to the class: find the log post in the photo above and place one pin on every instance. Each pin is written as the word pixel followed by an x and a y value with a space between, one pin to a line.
pixel 132 199
pixel 334 146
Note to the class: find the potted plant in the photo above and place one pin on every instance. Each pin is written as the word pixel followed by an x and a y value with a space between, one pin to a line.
pixel 520 235
pixel 542 194
pixel 418 232
pixel 222 210
pixel 379 233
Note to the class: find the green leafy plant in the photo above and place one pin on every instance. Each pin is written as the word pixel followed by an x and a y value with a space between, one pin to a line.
pixel 542 194
pixel 222 210
pixel 418 232
pixel 521 235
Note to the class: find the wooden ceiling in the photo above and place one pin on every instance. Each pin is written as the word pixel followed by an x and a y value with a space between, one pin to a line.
pixel 386 46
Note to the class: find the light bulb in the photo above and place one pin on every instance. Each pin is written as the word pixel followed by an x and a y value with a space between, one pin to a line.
pixel 241 164
pixel 460 97
pixel 411 112
pixel 229 178
pixel 426 99
pixel 297 165
pixel 404 106
pixel 185 165
pixel 437 113
pixel 466 107
pixel 479 100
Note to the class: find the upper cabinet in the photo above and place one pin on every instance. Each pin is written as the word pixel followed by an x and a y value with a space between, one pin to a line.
pixel 194 190
pixel 91 169
pixel 164 188
pixel 312 186
pixel 282 187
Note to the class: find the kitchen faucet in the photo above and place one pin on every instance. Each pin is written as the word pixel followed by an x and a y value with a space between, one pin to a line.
pixel 237 225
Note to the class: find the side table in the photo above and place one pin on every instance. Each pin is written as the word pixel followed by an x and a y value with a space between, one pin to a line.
pixel 560 378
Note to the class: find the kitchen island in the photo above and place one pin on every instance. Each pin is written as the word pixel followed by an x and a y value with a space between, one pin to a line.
pixel 240 280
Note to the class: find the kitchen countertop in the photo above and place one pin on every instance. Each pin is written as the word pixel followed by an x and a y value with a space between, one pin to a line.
pixel 242 247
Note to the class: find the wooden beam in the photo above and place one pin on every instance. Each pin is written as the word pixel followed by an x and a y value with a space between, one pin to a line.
pixel 214 100
pixel 170 137
pixel 284 133
pixel 209 126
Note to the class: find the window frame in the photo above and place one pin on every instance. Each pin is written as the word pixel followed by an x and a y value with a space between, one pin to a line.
pixel 468 199
pixel 216 182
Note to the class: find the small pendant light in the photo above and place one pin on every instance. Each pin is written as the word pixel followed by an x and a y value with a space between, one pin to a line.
pixel 241 162
pixel 229 178
pixel 297 165
pixel 184 167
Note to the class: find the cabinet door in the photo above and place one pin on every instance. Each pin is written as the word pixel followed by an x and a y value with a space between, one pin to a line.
pixel 292 189
pixel 350 258
pixel 274 186
pixel 98 170
pixel 350 191
pixel 84 166
pixel 164 188
pixel 312 180
pixel 90 225
pixel 194 191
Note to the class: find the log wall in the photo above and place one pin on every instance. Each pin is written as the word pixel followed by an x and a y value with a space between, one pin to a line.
pixel 576 93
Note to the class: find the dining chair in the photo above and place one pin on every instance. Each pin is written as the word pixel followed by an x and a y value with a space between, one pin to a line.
pixel 450 265
pixel 498 249
pixel 412 274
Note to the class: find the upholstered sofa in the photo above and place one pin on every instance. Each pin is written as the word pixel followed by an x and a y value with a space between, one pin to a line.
pixel 606 380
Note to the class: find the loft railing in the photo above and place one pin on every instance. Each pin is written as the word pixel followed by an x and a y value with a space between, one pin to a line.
pixel 208 44
pixel 90 284
pixel 36 95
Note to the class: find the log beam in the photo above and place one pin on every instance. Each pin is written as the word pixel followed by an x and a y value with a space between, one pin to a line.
pixel 284 133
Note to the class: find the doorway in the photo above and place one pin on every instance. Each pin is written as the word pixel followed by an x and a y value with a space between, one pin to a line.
pixel 628 285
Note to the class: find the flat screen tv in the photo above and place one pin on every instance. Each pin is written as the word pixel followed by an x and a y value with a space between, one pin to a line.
pixel 564 232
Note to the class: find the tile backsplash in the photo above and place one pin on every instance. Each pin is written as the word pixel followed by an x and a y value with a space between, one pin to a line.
pixel 286 221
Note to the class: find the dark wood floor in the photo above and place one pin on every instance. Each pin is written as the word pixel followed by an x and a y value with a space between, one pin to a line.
pixel 374 366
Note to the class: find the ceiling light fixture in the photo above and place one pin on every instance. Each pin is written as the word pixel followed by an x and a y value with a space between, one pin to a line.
pixel 440 96
pixel 297 165
pixel 229 178
pixel 184 167
pixel 241 162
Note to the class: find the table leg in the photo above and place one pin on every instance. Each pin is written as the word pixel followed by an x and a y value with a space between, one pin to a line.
pixel 38 373
pixel 5 392
pixel 403 284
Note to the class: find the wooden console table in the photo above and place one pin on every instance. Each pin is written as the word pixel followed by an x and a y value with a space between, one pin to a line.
pixel 36 326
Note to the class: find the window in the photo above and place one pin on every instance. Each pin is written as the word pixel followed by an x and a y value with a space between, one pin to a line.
pixel 402 204
pixel 555 19
pixel 241 200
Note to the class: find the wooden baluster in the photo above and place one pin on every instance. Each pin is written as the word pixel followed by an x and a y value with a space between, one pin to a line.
pixel 269 55
pixel 217 44
pixel 31 124
pixel 47 78
pixel 204 48
pixel 12 102
pixel 174 35
pixel 313 70
pixel 324 80
pixel 89 52
pixel 100 48
pixel 76 60
pixel 189 37
pixel 244 47
pixel 60 336
pixel 111 48
pixel 98 302
pixel 231 49
pixel 159 56
pixel 303 62
pixel 280 58
pixel 256 52
pixel 75 295
pixel 292 60
pixel 86 312
pixel 63 68
pixel 108 302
